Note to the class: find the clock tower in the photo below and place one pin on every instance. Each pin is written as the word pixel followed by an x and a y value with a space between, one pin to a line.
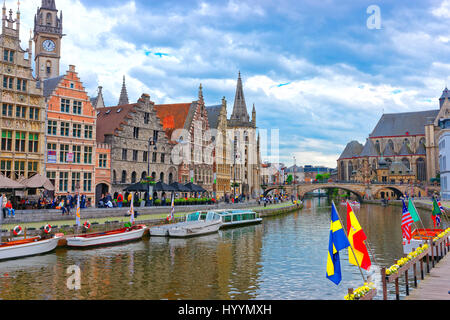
pixel 47 40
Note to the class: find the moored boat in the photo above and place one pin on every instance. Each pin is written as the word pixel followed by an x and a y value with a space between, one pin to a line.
pixel 206 223
pixel 108 237
pixel 231 218
pixel 420 237
pixel 27 247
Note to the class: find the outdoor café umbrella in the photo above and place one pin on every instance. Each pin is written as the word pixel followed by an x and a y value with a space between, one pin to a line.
pixel 137 187
pixel 161 186
pixel 38 182
pixel 8 184
pixel 194 188
pixel 180 187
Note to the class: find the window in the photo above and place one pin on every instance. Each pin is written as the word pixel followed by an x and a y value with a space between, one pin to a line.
pixel 7 82
pixel 33 142
pixel 19 169
pixel 88 132
pixel 8 55
pixel 52 127
pixel 65 127
pixel 76 154
pixel 20 142
pixel 76 181
pixel 87 182
pixel 63 151
pixel 51 146
pixel 135 155
pixel 76 130
pixel 5 168
pixel 65 105
pixel 136 133
pixel 88 155
pixel 124 154
pixel 155 136
pixel 63 181
pixel 102 158
pixel 145 156
pixel 7 110
pixel 163 157
pixel 77 107
pixel 34 113
pixel 32 168
pixel 124 177
pixel 146 118
pixel 21 85
pixel 49 19
pixel 154 157
pixel 52 177
pixel 21 112
pixel 6 140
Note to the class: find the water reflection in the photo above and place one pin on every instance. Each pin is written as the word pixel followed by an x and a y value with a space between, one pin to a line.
pixel 283 258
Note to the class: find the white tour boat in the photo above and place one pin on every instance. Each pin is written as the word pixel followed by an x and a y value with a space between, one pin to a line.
pixel 197 224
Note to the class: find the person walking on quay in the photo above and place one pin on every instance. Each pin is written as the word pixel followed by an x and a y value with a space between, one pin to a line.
pixel 120 200
pixel 4 210
pixel 83 201
pixel 10 209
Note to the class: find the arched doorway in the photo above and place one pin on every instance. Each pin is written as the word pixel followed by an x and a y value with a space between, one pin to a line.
pixel 100 189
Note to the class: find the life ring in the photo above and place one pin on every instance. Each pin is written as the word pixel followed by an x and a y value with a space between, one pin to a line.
pixel 48 229
pixel 87 225
pixel 17 230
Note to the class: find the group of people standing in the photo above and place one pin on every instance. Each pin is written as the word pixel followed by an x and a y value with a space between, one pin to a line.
pixel 7 208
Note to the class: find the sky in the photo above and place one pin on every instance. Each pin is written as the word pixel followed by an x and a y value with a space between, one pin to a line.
pixel 320 72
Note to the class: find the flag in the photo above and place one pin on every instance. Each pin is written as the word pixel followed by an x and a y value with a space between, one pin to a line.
pixel 172 212
pixel 407 221
pixel 356 236
pixel 78 214
pixel 338 241
pixel 131 211
pixel 412 211
pixel 436 213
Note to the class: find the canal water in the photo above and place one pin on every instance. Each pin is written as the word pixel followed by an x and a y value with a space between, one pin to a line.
pixel 284 258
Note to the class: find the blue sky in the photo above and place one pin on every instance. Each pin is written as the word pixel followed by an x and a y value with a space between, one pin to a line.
pixel 314 70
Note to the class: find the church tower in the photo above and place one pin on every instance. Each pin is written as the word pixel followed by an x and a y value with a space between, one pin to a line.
pixel 48 33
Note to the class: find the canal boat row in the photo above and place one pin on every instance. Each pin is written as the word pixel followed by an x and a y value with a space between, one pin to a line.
pixel 196 224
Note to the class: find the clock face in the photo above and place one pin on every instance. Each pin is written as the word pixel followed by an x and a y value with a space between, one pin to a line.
pixel 48 45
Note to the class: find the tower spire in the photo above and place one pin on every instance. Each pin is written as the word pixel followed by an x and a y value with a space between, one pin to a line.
pixel 123 94
pixel 240 108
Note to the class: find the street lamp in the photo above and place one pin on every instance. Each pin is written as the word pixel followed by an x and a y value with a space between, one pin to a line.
pixel 151 142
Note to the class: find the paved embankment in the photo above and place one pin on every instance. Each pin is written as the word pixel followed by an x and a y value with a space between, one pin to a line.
pixel 436 286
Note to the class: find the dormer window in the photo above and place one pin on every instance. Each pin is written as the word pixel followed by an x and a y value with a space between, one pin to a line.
pixel 49 19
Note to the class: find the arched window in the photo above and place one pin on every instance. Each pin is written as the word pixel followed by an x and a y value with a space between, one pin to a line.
pixel 143 175
pixel 114 177
pixel 49 19
pixel 342 173
pixel 154 176
pixel 133 177
pixel 124 177
pixel 377 146
pixel 391 145
pixel 421 171
pixel 161 176
pixel 406 163
pixel 350 170
pixel 170 178
pixel 48 67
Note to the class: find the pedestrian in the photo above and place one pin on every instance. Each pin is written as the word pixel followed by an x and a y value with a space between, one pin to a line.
pixel 10 209
pixel 120 200
pixel 4 210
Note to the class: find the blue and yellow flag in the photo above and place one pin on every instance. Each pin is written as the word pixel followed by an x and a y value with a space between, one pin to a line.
pixel 338 241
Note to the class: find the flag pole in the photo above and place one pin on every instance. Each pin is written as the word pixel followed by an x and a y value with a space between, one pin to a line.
pixel 420 219
pixel 368 245
pixel 351 247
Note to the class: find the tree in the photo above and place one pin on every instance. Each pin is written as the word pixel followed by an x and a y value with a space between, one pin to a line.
pixel 289 179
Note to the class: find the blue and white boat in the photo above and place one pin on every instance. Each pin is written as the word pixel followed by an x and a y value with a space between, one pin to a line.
pixel 232 218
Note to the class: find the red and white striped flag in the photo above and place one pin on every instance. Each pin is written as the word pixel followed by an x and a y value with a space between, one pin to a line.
pixel 407 222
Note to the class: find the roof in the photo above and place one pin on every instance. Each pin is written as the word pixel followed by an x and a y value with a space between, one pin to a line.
pixel 369 150
pixel 213 115
pixel 398 168
pixel 109 119
pixel 49 85
pixel 403 124
pixel 173 116
pixel 353 149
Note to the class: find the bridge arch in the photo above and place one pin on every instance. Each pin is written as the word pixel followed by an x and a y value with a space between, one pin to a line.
pixel 312 188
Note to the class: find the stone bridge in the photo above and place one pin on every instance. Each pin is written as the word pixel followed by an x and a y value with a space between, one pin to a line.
pixel 360 190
